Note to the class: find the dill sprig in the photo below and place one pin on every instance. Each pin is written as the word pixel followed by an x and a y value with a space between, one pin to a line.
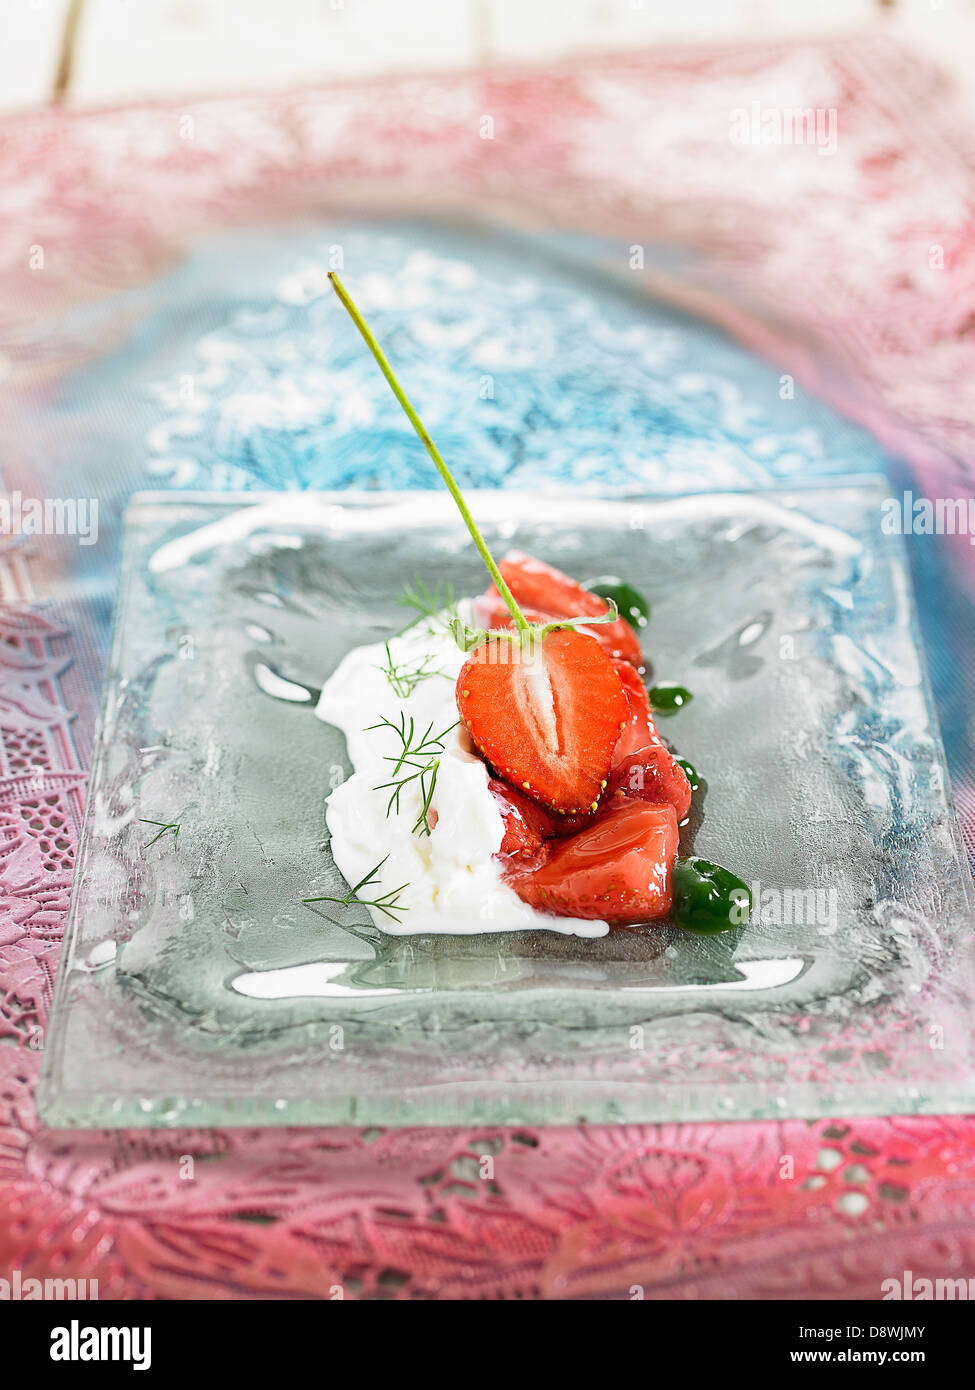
pixel 405 676
pixel 412 744
pixel 437 605
pixel 426 775
pixel 388 903
pixel 421 754
pixel 166 825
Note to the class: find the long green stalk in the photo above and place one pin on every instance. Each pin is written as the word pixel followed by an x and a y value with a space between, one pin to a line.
pixel 431 448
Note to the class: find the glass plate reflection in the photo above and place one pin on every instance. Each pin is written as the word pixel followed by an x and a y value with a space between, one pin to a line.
pixel 195 988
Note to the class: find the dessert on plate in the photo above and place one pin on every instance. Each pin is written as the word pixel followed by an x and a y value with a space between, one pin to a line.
pixel 507 768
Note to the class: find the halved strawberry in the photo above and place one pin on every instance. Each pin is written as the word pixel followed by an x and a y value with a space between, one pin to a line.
pixel 643 767
pixel 546 712
pixel 618 868
pixel 550 594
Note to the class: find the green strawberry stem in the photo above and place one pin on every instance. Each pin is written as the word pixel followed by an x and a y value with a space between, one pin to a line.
pixel 520 621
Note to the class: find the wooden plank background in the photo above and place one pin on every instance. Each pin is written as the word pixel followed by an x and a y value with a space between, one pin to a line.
pixel 108 51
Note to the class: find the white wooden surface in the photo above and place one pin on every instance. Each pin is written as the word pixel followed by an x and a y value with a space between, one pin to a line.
pixel 30 36
pixel 126 49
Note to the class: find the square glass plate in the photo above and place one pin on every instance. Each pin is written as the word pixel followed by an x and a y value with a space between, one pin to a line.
pixel 195 988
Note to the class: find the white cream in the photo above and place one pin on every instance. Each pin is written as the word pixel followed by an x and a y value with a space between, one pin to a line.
pixel 453 881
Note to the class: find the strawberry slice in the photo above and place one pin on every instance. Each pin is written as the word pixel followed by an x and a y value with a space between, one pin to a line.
pixel 550 594
pixel 618 868
pixel 526 824
pixel 546 713
pixel 653 775
pixel 640 730
pixel 643 767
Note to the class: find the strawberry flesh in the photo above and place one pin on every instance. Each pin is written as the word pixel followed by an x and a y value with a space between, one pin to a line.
pixel 589 794
pixel 526 824
pixel 549 594
pixel 619 868
pixel 546 714
pixel 643 766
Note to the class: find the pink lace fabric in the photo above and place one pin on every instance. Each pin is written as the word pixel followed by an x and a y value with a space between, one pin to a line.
pixel 736 1210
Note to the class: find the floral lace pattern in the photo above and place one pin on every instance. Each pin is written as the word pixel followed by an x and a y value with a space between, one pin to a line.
pixel 788 1210
pixel 523 382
